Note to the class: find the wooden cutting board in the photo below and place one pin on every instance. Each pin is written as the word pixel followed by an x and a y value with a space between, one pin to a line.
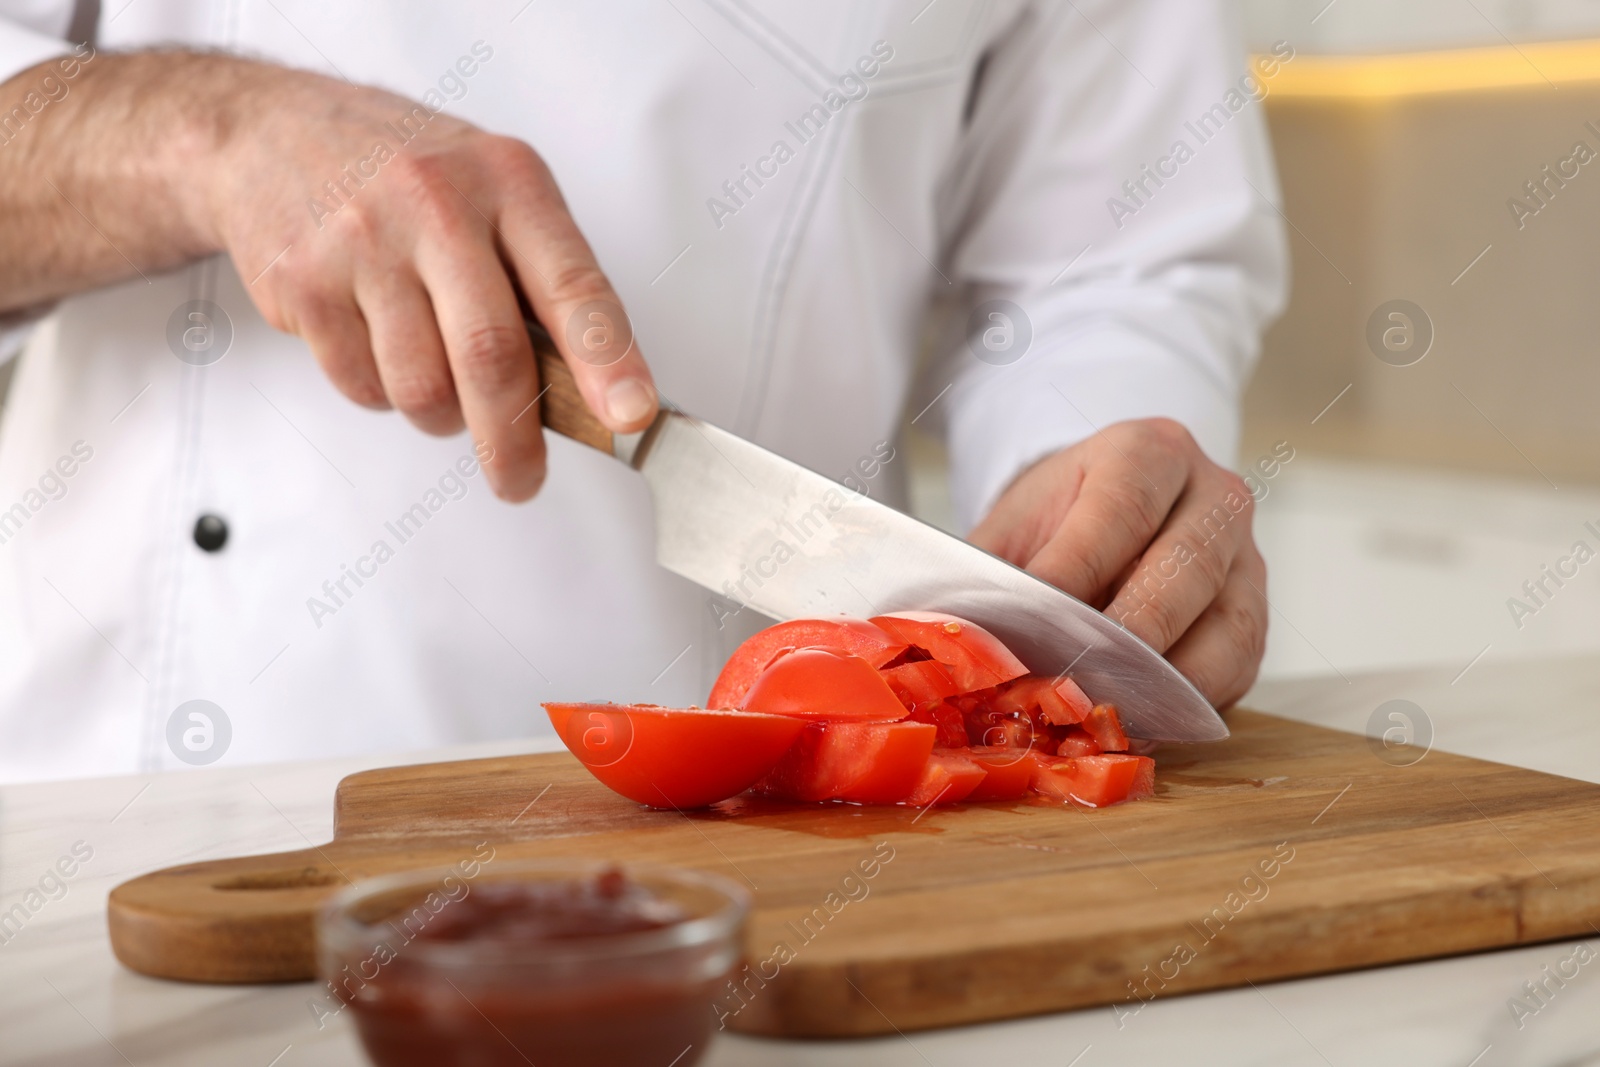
pixel 1287 850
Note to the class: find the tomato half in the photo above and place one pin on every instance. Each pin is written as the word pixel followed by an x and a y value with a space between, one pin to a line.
pixel 857 637
pixel 948 777
pixel 975 657
pixel 922 682
pixel 673 757
pixel 869 762
pixel 814 683
pixel 1009 772
pixel 1105 727
pixel 1095 780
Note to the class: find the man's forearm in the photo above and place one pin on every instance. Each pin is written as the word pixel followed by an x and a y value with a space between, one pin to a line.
pixel 397 241
pixel 103 167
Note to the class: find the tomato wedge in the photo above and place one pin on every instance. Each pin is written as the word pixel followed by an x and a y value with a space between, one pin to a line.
pixel 673 757
pixel 856 637
pixel 947 777
pixel 1105 727
pixel 1078 743
pixel 975 657
pixel 1009 772
pixel 869 762
pixel 1095 780
pixel 815 683
pixel 922 682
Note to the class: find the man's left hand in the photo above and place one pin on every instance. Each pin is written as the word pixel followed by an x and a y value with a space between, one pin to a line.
pixel 1138 522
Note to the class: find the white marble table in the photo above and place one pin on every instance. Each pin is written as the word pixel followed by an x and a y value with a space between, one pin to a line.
pixel 64 999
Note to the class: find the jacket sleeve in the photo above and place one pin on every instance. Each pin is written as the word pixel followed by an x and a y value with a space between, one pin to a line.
pixel 29 34
pixel 1113 202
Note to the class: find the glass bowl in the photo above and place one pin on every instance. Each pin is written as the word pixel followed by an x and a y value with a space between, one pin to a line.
pixel 641 997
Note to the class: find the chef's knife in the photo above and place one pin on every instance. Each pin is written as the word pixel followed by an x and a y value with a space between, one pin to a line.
pixel 768 534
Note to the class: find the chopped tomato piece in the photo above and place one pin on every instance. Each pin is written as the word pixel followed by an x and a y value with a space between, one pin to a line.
pixel 673 757
pixel 1078 743
pixel 869 762
pixel 951 725
pixel 856 637
pixel 1074 704
pixel 977 700
pixel 1048 700
pixel 920 682
pixel 1018 696
pixel 1144 779
pixel 947 777
pixel 916 707
pixel 1010 772
pixel 986 727
pixel 1105 727
pixel 814 683
pixel 1095 780
pixel 975 657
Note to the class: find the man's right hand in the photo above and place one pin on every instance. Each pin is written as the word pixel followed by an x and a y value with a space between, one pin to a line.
pixel 399 265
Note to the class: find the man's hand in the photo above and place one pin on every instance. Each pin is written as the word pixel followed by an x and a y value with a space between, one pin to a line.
pixel 395 241
pixel 1138 522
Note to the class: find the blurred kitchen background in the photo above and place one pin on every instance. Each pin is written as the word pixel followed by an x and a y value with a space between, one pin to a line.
pixel 1422 495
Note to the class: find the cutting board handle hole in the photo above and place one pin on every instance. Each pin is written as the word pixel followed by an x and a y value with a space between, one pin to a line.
pixel 304 878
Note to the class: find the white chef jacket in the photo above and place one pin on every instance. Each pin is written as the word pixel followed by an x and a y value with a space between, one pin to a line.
pixel 782 294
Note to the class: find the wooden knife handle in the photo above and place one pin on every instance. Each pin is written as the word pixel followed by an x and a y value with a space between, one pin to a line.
pixel 562 406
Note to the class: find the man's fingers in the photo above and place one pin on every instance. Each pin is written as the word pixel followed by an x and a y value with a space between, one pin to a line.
pixel 339 340
pixel 486 342
pixel 408 350
pixel 1185 566
pixel 1221 652
pixel 571 295
pixel 1031 509
pixel 1119 508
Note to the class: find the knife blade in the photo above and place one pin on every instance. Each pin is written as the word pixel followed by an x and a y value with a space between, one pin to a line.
pixel 766 533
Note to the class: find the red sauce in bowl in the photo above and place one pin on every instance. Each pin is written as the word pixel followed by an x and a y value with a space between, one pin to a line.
pixel 600 969
pixel 528 914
